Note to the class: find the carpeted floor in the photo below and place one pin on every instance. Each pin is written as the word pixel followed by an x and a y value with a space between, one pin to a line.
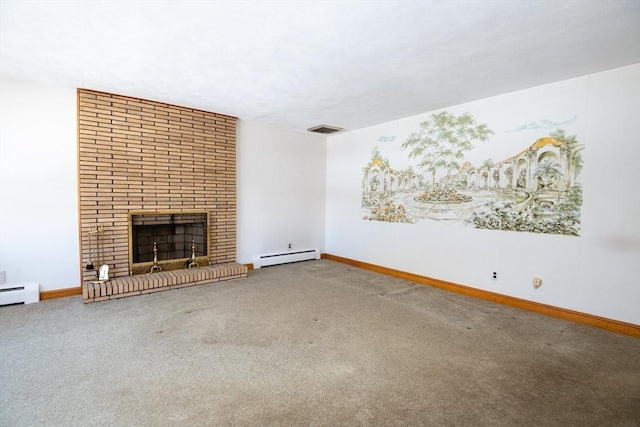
pixel 315 343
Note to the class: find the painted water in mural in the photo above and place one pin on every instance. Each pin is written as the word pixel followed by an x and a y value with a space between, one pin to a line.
pixel 535 189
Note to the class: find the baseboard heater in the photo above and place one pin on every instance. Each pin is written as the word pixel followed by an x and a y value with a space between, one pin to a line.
pixel 285 257
pixel 16 294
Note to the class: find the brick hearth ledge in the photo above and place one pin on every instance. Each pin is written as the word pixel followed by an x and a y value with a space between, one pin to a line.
pixel 147 283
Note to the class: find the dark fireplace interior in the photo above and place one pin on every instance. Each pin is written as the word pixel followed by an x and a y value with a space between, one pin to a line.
pixel 174 234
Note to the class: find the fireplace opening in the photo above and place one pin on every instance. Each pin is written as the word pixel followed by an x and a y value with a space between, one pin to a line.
pixel 167 236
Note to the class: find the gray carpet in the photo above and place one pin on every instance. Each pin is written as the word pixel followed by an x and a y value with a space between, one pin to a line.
pixel 314 343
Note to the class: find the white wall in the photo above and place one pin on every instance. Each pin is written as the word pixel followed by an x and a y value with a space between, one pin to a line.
pixel 281 179
pixel 38 185
pixel 596 273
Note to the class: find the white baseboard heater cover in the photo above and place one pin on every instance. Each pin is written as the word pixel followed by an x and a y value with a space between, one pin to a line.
pixel 16 294
pixel 285 257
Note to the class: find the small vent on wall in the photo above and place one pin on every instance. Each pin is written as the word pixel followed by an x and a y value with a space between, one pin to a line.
pixel 324 129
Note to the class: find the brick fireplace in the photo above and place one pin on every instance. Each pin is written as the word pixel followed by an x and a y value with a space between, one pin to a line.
pixel 141 162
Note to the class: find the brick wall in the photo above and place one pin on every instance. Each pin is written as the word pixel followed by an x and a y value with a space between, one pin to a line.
pixel 139 155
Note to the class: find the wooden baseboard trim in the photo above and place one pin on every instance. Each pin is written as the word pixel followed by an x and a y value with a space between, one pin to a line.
pixel 59 293
pixel 549 310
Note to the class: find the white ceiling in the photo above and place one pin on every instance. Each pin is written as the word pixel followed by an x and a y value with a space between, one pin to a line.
pixel 297 64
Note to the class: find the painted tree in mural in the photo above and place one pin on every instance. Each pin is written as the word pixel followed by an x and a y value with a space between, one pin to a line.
pixel 487 163
pixel 567 220
pixel 547 171
pixel 442 140
pixel 571 141
pixel 377 157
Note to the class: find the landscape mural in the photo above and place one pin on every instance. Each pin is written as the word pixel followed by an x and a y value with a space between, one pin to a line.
pixel 534 188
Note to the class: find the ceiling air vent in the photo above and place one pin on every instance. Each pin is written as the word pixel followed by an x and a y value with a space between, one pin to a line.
pixel 324 129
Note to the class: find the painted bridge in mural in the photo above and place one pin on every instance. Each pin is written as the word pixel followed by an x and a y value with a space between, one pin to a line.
pixel 517 172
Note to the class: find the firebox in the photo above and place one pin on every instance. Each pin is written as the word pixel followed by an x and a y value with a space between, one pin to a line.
pixel 167 238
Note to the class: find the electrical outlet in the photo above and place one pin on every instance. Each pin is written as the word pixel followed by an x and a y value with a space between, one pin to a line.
pixel 537 282
pixel 3 277
pixel 494 275
pixel 289 245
